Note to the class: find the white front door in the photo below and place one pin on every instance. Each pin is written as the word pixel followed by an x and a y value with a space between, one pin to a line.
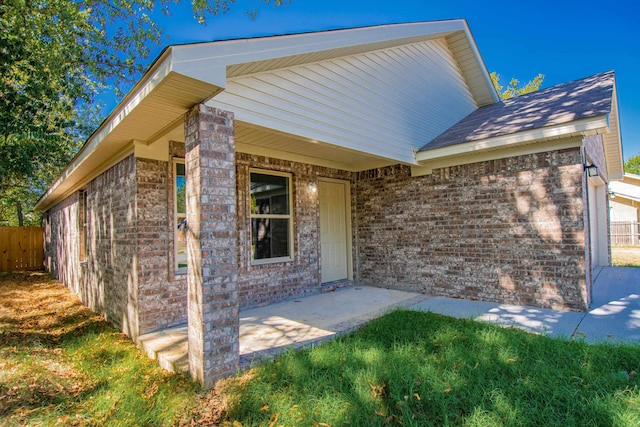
pixel 333 230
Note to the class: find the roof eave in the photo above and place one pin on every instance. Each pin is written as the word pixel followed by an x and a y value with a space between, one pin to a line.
pixel 584 126
pixel 207 70
pixel 103 145
pixel 612 141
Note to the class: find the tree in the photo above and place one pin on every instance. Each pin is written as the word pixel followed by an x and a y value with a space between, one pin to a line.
pixel 55 57
pixel 632 165
pixel 512 88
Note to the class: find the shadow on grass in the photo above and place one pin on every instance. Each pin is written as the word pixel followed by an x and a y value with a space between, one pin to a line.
pixel 414 368
pixel 60 363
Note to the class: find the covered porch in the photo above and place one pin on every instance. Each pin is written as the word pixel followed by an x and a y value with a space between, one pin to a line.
pixel 269 330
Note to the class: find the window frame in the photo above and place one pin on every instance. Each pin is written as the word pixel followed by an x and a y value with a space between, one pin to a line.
pixel 82 225
pixel 176 215
pixel 289 217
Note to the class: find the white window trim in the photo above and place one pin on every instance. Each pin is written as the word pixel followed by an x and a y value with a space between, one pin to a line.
pixel 82 226
pixel 272 216
pixel 177 268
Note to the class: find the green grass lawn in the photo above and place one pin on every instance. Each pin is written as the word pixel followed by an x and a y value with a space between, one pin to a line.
pixel 62 365
pixel 411 368
pixel 625 256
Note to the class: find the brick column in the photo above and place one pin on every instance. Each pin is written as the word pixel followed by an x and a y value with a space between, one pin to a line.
pixel 211 244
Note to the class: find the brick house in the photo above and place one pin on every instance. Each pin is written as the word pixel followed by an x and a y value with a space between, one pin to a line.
pixel 243 172
pixel 625 210
pixel 625 203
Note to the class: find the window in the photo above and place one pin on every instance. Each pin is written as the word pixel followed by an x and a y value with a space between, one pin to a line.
pixel 82 225
pixel 271 224
pixel 180 217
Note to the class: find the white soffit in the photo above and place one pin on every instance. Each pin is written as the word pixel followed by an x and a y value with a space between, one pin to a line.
pixel 159 98
pixel 252 139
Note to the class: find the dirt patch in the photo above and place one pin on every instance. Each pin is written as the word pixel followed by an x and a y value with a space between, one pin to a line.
pixel 625 256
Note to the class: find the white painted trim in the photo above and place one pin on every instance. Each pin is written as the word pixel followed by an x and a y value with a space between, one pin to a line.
pixel 583 126
pixel 193 58
pixel 614 139
pixel 156 151
pixel 513 151
pixel 176 267
pixel 291 218
pixel 476 53
pixel 349 236
pixel 604 246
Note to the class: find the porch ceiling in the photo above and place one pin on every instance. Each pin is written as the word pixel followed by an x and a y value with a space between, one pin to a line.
pixel 257 140
pixel 252 139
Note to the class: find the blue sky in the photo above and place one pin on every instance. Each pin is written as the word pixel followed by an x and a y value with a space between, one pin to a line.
pixel 564 40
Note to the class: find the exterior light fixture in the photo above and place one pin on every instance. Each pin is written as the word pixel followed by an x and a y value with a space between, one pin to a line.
pixel 592 170
pixel 313 187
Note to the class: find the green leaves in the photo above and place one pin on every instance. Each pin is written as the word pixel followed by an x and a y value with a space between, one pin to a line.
pixel 632 165
pixel 55 57
pixel 513 89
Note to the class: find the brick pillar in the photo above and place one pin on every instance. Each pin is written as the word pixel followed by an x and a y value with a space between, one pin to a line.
pixel 211 244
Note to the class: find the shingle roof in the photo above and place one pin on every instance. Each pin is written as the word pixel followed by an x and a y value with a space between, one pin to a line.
pixel 563 103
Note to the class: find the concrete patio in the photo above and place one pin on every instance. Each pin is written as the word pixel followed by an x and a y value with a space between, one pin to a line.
pixel 269 330
pixel 614 316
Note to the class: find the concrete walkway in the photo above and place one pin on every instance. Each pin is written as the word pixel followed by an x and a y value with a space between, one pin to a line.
pixel 614 315
pixel 615 310
pixel 264 332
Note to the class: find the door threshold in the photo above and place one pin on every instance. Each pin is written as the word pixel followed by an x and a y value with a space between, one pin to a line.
pixel 337 284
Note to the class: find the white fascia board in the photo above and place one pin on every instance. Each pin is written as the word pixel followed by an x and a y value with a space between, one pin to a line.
pixel 220 54
pixel 427 168
pixel 615 167
pixel 593 124
pixel 620 195
pixel 476 52
pixel 627 189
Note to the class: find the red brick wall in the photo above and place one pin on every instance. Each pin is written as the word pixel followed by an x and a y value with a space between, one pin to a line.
pixel 106 282
pixel 509 230
pixel 128 275
pixel 267 283
pixel 61 246
pixel 162 294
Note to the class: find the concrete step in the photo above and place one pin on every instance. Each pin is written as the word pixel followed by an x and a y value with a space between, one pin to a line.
pixel 169 347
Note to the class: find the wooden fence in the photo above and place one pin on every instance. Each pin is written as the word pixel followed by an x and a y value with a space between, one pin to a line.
pixel 625 233
pixel 21 248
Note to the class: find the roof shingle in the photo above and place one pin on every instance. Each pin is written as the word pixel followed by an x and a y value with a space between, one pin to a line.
pixel 563 103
